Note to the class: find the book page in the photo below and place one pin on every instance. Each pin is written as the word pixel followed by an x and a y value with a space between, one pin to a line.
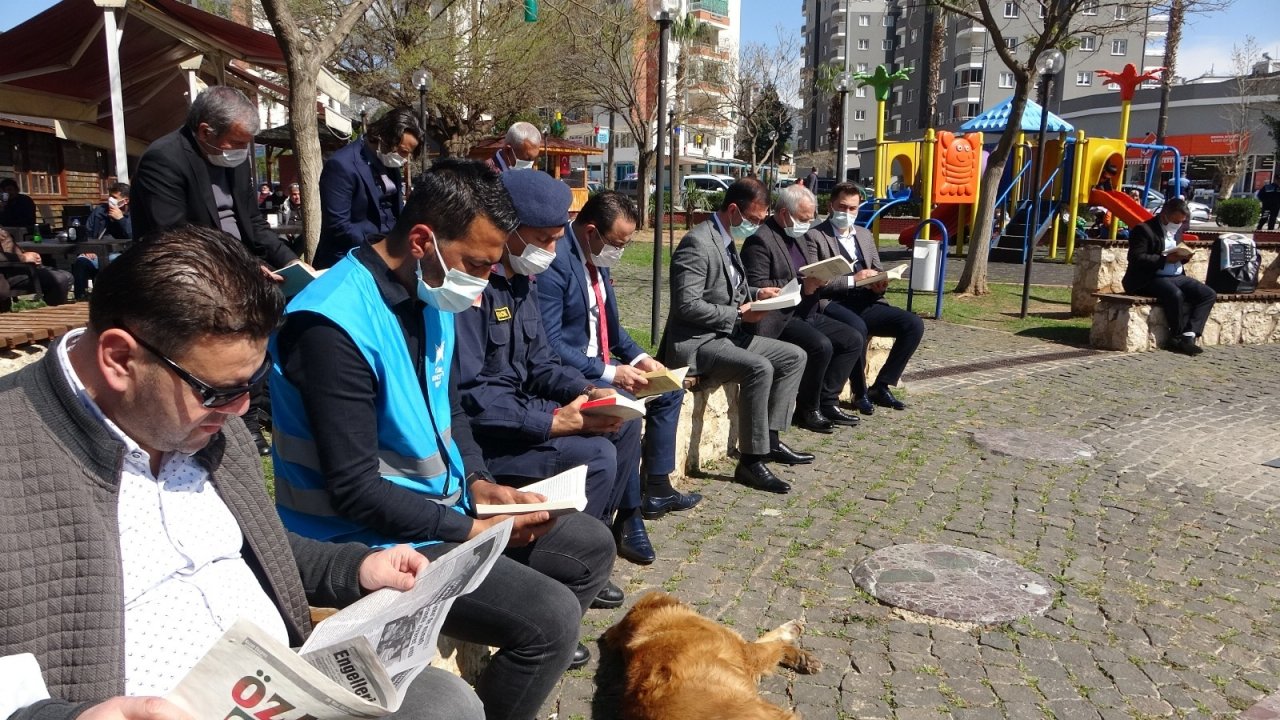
pixel 662 381
pixel 788 297
pixel 618 406
pixel 565 493
pixel 827 270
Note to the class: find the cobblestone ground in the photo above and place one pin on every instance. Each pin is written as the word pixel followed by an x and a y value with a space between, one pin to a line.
pixel 1161 548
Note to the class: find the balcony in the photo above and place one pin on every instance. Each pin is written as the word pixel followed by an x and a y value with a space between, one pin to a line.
pixel 715 12
pixel 707 50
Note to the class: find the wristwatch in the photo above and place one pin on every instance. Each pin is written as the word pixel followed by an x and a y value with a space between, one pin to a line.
pixel 588 390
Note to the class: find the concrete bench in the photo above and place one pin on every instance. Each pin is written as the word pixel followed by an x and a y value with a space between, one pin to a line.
pixel 709 417
pixel 1134 323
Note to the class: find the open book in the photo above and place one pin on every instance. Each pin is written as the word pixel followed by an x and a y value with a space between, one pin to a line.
pixel 296 277
pixel 894 274
pixel 356 664
pixel 564 493
pixel 789 297
pixel 616 406
pixel 827 270
pixel 1180 251
pixel 662 381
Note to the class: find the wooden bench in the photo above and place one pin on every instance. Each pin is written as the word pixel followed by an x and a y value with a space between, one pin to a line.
pixel 1135 323
pixel 46 323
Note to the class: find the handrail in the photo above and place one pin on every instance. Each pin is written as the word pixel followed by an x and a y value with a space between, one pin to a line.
pixel 879 211
pixel 942 265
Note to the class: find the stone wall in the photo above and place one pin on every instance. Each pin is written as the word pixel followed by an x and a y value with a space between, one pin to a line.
pixel 1140 327
pixel 14 359
pixel 1100 265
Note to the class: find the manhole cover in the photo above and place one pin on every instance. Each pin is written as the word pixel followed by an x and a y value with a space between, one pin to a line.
pixel 1030 445
pixel 953 583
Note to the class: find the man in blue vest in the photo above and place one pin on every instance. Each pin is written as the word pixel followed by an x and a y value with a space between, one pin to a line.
pixel 370 444
pixel 524 404
pixel 580 316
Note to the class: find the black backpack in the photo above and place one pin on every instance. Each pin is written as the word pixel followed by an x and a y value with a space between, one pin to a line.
pixel 1233 264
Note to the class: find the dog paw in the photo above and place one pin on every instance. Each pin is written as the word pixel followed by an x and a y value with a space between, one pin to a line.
pixel 805 662
pixel 790 631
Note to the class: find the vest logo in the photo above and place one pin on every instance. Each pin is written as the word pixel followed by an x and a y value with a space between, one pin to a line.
pixel 502 314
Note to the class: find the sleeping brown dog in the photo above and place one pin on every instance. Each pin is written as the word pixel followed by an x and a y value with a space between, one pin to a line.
pixel 682 666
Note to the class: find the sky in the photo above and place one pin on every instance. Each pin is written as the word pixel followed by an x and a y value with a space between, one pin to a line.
pixel 1206 41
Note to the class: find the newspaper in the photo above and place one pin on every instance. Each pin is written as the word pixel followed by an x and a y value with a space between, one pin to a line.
pixel 356 664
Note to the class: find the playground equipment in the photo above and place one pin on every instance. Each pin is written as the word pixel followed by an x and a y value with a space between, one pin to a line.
pixel 881 81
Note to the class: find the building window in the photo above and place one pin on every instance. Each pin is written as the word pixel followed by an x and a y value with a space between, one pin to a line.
pixel 859 136
pixel 911 95
pixel 724 144
pixel 915 35
pixel 1122 12
pixel 1042 8
pixel 1120 47
pixel 886 44
pixel 860 115
pixel 1006 79
pixel 862 67
pixel 864 21
pixel 1089 43
pixel 906 125
pixel 887 20
pixel 860 92
pixel 864 44
pixel 969 76
pixel 1084 78
pixel 942 85
pixel 1011 9
pixel 1011 43
pixel 1090 7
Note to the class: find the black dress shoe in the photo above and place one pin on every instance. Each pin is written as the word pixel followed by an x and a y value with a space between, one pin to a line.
pixel 813 421
pixel 264 447
pixel 581 657
pixel 884 398
pixel 785 455
pixel 633 541
pixel 652 508
pixel 609 597
pixel 1185 344
pixel 838 416
pixel 863 405
pixel 758 475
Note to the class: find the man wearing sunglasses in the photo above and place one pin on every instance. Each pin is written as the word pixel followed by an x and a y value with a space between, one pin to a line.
pixel 134 520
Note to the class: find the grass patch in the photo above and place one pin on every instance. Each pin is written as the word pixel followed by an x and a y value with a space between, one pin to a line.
pixel 640 254
pixel 1048 311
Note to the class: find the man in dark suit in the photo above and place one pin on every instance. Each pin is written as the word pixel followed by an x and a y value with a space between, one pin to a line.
pixel 773 257
pixel 864 309
pixel 707 330
pixel 1156 269
pixel 580 317
pixel 199 175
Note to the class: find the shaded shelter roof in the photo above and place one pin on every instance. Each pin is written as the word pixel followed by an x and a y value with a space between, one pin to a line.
pixel 282 137
pixel 56 64
pixel 996 119
pixel 550 145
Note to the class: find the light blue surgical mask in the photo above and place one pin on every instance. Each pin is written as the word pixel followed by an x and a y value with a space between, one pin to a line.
pixel 458 291
pixel 744 229
pixel 797 229
pixel 842 219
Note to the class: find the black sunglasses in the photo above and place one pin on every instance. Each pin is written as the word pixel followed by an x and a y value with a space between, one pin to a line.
pixel 210 396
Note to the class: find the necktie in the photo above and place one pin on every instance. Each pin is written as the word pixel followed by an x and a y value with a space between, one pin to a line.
pixel 601 321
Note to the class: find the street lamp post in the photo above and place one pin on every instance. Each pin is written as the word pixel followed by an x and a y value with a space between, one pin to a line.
pixel 1048 66
pixel 422 79
pixel 842 87
pixel 661 11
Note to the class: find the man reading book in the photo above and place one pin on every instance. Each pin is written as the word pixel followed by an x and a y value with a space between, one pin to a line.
pixel 135 522
pixel 1156 268
pixel 580 317
pixel 864 308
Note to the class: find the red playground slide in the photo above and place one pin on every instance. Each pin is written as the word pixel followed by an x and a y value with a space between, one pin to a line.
pixel 1129 211
pixel 948 214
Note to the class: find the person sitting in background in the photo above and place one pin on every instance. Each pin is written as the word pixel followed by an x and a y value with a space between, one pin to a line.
pixel 54 283
pixel 264 192
pixel 362 185
pixel 1107 178
pixel 16 208
pixel 110 219
pixel 1156 270
pixel 520 148
pixel 291 211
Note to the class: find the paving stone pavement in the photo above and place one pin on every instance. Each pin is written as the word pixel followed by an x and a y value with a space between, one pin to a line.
pixel 1161 548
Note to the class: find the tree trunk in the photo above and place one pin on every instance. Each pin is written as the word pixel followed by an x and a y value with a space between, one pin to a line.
pixel 306 147
pixel 937 40
pixel 1177 14
pixel 973 281
pixel 643 159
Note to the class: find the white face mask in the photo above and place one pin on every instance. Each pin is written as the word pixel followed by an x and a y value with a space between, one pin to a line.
pixel 797 229
pixel 532 261
pixel 392 160
pixel 523 164
pixel 842 219
pixel 4 197
pixel 608 257
pixel 458 291
pixel 1172 229
pixel 226 158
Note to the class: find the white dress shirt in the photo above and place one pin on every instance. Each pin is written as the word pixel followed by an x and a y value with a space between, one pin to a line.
pixel 185 581
pixel 593 314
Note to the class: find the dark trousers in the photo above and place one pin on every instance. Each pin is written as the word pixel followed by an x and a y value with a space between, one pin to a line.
pixel 1268 215
pixel 882 320
pixel 55 284
pixel 530 607
pixel 1186 302
pixel 613 465
pixel 439 694
pixel 834 349
pixel 662 417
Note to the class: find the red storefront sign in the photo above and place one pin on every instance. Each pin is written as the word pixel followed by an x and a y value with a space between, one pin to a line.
pixel 1193 145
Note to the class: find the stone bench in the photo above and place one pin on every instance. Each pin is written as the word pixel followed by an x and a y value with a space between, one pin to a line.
pixel 1135 323
pixel 709 417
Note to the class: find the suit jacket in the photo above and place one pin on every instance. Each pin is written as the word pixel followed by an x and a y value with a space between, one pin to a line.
pixel 172 187
pixel 704 304
pixel 1146 254
pixel 564 296
pixel 824 242
pixel 351 202
pixel 768 261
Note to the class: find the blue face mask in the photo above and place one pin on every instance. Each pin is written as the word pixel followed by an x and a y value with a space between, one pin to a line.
pixel 744 229
pixel 842 219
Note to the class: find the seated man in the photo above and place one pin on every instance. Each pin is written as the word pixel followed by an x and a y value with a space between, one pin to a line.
pixel 864 309
pixel 580 317
pixel 1156 269
pixel 523 402
pixel 17 209
pixel 772 257
pixel 54 283
pixel 110 219
pixel 370 441
pixel 707 330
pixel 163 535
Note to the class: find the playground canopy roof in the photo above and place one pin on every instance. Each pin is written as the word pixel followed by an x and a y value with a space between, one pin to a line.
pixel 997 119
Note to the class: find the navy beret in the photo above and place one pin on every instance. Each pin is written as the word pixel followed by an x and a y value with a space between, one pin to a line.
pixel 541 201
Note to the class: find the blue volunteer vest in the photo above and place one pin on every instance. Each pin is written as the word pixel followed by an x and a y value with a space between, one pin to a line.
pixel 415 446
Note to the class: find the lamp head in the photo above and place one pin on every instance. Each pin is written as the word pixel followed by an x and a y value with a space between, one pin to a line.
pixel 422 79
pixel 663 9
pixel 842 81
pixel 1051 62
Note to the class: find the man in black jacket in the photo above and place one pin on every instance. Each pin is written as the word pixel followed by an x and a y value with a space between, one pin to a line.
pixel 134 526
pixel 772 258
pixel 1156 269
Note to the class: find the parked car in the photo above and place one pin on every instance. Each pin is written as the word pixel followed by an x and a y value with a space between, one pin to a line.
pixel 708 182
pixel 1155 198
